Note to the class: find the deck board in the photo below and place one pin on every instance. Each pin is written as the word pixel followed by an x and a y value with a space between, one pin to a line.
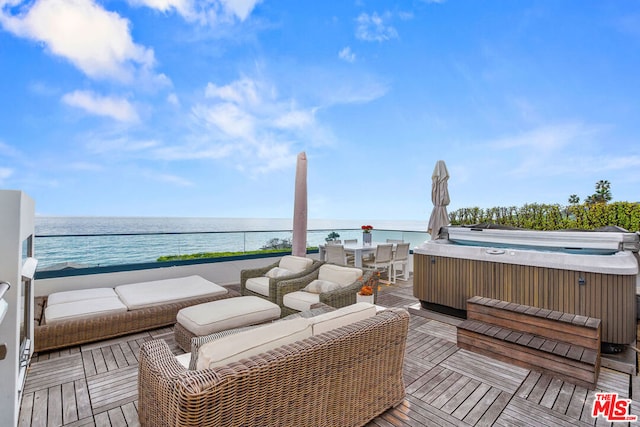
pixel 498 374
pixel 69 406
pixel 96 384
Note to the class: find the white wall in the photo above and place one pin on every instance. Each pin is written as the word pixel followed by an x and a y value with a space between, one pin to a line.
pixel 16 224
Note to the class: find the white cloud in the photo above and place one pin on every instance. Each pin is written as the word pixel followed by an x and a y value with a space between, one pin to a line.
pixel 100 145
pixel 172 99
pixel 117 108
pixel 294 120
pixel 347 55
pixel 547 138
pixel 195 150
pixel 543 151
pixel 211 11
pixel 9 151
pixel 5 173
pixel 620 163
pixel 182 7
pixel 366 90
pixel 373 27
pixel 243 92
pixel 96 41
pixel 230 119
pixel 240 8
pixel 247 118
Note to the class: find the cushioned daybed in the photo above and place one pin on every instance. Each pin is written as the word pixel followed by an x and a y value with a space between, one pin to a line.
pixel 82 316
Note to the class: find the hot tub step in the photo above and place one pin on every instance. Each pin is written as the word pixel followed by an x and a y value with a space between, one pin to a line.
pixel 558 343
pixel 572 328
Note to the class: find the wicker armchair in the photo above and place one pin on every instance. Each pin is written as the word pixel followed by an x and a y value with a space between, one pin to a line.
pixel 260 272
pixel 344 377
pixel 338 298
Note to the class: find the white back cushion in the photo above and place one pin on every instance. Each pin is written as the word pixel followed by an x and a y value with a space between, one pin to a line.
pixel 340 275
pixel 341 317
pixel 296 264
pixel 252 342
pixel 276 272
pixel 321 286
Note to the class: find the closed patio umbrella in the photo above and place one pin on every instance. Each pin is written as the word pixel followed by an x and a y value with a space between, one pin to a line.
pixel 299 244
pixel 440 198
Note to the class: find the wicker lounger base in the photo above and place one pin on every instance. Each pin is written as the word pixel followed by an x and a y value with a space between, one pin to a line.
pixel 85 330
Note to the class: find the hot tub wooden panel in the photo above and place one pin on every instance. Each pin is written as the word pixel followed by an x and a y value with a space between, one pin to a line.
pixel 450 282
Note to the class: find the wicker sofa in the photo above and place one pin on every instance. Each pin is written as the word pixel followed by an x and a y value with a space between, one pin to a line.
pixel 341 297
pixel 85 329
pixel 267 285
pixel 343 377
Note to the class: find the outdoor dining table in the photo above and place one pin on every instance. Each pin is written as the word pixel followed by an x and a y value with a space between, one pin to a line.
pixel 358 250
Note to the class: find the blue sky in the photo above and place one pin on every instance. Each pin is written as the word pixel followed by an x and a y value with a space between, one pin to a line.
pixel 192 108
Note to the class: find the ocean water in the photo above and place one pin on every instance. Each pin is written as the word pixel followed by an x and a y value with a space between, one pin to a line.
pixel 102 241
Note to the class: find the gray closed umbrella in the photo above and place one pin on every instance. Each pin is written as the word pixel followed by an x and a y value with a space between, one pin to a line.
pixel 440 198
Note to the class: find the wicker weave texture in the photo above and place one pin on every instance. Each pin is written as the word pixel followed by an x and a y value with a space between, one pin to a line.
pixel 273 282
pixel 84 330
pixel 339 298
pixel 340 378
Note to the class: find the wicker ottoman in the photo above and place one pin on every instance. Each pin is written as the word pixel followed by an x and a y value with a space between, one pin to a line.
pixel 215 316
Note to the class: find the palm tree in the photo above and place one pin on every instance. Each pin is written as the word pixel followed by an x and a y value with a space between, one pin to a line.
pixel 602 194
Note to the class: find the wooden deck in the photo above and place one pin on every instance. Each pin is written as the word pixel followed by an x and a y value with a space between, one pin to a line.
pixel 96 384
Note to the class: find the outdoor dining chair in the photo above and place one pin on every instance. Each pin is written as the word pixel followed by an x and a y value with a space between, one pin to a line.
pixel 400 259
pixel 382 259
pixel 336 254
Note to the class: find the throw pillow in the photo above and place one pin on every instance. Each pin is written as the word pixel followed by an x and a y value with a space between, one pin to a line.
pixel 278 272
pixel 321 286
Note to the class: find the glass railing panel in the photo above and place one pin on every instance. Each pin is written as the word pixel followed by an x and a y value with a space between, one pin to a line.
pixel 78 251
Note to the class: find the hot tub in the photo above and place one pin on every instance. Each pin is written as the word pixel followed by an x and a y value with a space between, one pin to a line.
pixel 588 273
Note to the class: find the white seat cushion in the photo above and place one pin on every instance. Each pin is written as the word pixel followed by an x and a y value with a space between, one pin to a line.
pixel 341 275
pixel 158 292
pixel 259 285
pixel 341 317
pixel 252 342
pixel 229 313
pixel 296 264
pixel 86 308
pixel 80 295
pixel 300 300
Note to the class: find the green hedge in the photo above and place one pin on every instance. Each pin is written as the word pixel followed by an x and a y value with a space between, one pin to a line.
pixel 554 217
pixel 201 255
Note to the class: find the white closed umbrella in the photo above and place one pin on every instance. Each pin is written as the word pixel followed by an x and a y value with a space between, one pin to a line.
pixel 299 244
pixel 440 198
